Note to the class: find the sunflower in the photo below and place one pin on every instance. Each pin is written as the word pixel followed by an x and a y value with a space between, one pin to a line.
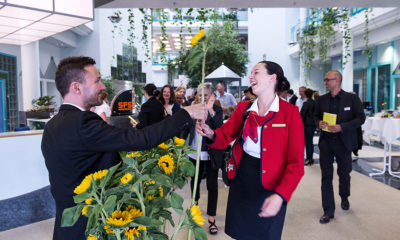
pixel 161 190
pixel 133 154
pixel 166 162
pixel 84 210
pixel 120 218
pixel 150 197
pixel 133 211
pixel 91 237
pixel 100 174
pixel 108 231
pixel 196 215
pixel 149 182
pixel 88 201
pixel 197 38
pixel 163 146
pixel 87 181
pixel 126 178
pixel 179 141
pixel 130 232
pixel 85 185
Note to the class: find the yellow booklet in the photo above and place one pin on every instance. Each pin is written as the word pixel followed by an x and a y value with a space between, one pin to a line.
pixel 330 119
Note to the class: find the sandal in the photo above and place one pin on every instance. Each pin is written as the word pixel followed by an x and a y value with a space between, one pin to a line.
pixel 213 229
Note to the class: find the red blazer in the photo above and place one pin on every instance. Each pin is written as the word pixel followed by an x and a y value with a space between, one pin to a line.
pixel 282 141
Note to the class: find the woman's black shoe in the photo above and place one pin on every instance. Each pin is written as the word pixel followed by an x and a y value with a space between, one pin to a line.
pixel 213 229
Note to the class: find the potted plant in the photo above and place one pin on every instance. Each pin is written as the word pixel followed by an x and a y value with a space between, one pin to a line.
pixel 42 107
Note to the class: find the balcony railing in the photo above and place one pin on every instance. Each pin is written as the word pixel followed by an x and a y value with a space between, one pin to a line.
pixel 295 30
pixel 172 16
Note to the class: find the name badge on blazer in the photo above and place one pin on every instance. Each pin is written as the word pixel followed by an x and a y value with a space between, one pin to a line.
pixel 347 108
pixel 279 125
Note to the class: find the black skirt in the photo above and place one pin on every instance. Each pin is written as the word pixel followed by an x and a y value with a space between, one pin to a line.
pixel 246 197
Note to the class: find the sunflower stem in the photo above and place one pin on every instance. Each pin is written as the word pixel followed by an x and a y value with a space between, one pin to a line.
pixel 178 228
pixel 200 138
pixel 139 195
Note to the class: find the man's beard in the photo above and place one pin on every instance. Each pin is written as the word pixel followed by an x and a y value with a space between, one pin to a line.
pixel 92 102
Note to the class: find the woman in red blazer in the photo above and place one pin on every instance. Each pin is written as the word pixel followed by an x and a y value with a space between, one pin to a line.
pixel 267 157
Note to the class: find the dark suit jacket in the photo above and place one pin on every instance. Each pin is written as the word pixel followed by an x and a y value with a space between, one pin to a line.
pixel 293 99
pixel 307 113
pixel 350 117
pixel 151 112
pixel 76 143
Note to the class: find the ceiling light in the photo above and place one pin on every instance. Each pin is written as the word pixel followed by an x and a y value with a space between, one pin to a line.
pixel 24 21
pixel 165 41
pixel 175 35
pixel 189 37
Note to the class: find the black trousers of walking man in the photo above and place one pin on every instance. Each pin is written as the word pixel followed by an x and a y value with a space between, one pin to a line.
pixel 332 147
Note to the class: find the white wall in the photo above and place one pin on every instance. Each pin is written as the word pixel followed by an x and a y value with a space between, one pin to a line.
pixel 46 51
pixel 385 53
pixel 269 34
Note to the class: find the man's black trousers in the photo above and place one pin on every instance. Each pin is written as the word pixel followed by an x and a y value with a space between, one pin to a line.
pixel 331 147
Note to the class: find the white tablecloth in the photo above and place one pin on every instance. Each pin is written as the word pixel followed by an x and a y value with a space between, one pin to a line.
pixel 386 129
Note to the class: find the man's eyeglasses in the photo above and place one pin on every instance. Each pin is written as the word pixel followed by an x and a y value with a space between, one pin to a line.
pixel 328 79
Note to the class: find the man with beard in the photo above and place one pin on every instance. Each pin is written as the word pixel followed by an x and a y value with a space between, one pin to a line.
pixel 77 142
pixel 337 140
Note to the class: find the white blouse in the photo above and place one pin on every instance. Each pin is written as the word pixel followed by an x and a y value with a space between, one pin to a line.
pixel 249 146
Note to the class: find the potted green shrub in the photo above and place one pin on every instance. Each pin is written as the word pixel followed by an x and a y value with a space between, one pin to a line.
pixel 42 107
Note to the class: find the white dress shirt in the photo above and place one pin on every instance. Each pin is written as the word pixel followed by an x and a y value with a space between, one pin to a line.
pixel 249 146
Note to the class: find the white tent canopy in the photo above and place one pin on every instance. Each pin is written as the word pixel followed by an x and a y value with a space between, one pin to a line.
pixel 224 74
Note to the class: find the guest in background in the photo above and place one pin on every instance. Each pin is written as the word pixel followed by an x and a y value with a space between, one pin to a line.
pixel 267 160
pixel 180 95
pixel 212 159
pixel 283 95
pixel 307 114
pixel 103 110
pixel 248 95
pixel 302 98
pixel 291 97
pixel 167 99
pixel 229 112
pixel 315 95
pixel 152 111
pixel 192 97
pixel 225 98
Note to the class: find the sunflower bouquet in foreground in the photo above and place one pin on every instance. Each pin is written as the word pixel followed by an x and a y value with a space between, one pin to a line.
pixel 133 200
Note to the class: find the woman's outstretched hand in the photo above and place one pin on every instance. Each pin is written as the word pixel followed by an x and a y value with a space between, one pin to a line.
pixel 204 130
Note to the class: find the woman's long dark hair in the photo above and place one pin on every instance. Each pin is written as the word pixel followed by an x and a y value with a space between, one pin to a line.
pixel 171 99
pixel 282 84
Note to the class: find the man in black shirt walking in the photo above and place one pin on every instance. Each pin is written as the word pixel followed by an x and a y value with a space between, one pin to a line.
pixel 338 142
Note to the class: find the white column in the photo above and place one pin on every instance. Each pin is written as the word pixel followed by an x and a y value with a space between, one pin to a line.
pixel 302 73
pixel 30 74
pixel 347 72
